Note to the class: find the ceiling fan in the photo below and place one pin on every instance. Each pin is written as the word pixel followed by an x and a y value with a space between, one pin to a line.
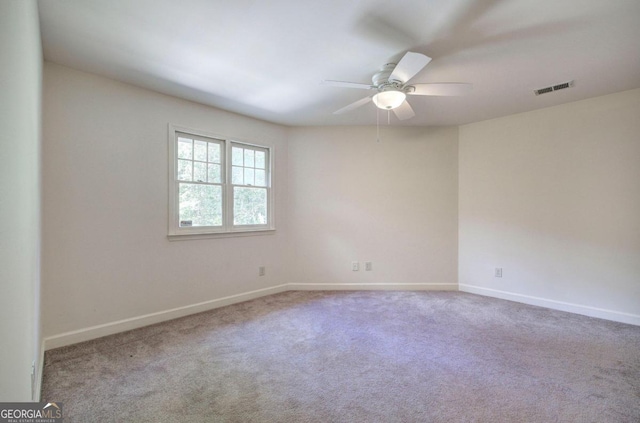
pixel 391 84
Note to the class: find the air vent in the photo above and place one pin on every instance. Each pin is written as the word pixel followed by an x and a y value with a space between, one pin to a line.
pixel 554 88
pixel 544 90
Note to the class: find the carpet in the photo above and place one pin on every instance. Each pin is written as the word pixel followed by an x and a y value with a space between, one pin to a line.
pixel 356 356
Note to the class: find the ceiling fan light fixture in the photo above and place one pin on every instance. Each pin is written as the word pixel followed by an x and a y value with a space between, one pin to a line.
pixel 388 100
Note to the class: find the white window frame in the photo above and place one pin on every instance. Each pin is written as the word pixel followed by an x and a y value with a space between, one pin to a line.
pixel 228 229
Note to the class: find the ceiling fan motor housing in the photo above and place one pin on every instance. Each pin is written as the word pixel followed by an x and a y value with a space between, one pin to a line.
pixel 382 76
pixel 381 79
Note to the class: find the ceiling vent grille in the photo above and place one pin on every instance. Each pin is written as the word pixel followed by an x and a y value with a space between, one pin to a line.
pixel 554 88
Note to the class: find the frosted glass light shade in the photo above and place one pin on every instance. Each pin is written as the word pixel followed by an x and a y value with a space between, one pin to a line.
pixel 388 100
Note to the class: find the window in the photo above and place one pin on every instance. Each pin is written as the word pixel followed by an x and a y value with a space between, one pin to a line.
pixel 218 186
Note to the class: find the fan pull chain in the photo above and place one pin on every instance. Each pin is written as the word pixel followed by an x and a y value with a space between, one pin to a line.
pixel 388 117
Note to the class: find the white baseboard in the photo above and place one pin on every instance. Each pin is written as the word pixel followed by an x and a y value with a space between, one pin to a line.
pixel 372 286
pixel 601 313
pixel 98 331
pixel 37 388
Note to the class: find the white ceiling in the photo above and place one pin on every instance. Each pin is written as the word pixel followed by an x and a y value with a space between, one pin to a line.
pixel 266 59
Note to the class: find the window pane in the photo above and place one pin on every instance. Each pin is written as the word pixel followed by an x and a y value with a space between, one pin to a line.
pixel 236 175
pixel 248 176
pixel 249 206
pixel 236 156
pixel 200 205
pixel 214 173
pixel 214 152
pixel 184 148
pixel 261 178
pixel 200 150
pixel 260 159
pixel 184 170
pixel 199 172
pixel 248 158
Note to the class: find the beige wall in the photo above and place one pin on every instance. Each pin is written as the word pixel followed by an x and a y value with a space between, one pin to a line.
pixel 20 101
pixel 553 198
pixel 106 257
pixel 393 203
pixel 550 196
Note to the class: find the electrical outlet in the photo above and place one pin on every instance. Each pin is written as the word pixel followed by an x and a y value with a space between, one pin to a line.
pixel 498 273
pixel 368 266
pixel 355 266
pixel 261 271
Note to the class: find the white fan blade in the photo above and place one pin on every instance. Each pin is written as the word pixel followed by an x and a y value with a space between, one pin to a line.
pixel 409 66
pixel 404 111
pixel 352 106
pixel 344 84
pixel 441 88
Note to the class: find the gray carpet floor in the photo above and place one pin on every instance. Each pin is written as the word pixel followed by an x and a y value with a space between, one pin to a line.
pixel 367 356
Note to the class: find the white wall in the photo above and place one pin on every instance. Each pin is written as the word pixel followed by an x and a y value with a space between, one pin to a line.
pixel 553 197
pixel 106 256
pixel 20 100
pixel 393 203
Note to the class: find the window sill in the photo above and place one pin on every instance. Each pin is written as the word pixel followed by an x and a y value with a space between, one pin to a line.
pixel 194 236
